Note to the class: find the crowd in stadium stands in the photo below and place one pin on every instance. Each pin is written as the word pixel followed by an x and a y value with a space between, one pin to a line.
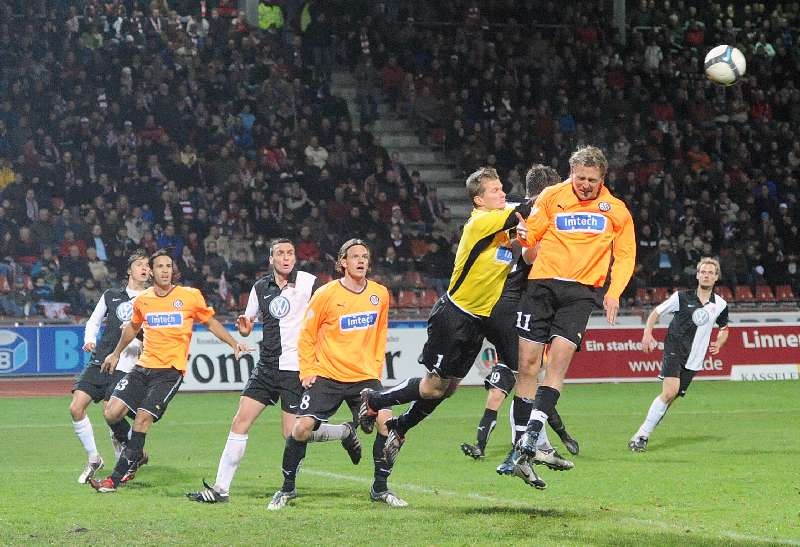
pixel 127 124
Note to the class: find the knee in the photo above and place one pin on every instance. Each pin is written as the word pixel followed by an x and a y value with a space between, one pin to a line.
pixel 240 425
pixel 111 414
pixel 668 395
pixel 302 429
pixel 77 410
pixel 432 390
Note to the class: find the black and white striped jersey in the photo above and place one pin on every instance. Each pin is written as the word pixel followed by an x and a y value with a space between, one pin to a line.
pixel 116 307
pixel 281 312
pixel 689 331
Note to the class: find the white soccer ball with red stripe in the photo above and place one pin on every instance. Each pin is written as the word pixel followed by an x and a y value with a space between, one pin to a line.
pixel 725 65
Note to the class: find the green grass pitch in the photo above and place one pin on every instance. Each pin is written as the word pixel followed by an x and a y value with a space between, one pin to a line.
pixel 722 469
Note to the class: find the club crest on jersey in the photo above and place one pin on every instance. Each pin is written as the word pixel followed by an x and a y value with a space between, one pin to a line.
pixel 700 317
pixel 178 304
pixel 358 321
pixel 125 311
pixel 593 223
pixel 374 300
pixel 279 307
pixel 604 206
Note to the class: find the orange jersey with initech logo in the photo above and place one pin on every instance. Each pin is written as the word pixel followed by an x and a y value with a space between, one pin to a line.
pixel 167 322
pixel 344 333
pixel 577 239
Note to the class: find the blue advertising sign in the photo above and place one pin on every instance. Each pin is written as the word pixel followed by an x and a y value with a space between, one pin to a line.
pixel 42 350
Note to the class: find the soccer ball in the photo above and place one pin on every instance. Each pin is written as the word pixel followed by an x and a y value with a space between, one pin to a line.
pixel 725 65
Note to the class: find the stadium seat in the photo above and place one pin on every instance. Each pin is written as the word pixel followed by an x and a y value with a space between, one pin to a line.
pixel 428 298
pixel 642 295
pixel 784 293
pixel 407 299
pixel 413 280
pixel 764 293
pixel 659 294
pixel 724 292
pixel 744 294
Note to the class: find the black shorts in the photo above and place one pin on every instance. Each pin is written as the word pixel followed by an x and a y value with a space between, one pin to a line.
pixel 97 384
pixel 148 389
pixel 267 384
pixel 500 377
pixel 455 339
pixel 500 330
pixel 673 368
pixel 325 396
pixel 551 307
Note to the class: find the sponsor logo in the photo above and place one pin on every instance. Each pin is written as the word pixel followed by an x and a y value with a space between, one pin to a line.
pixel 125 311
pixel 700 317
pixel 752 339
pixel 760 373
pixel 178 304
pixel 358 321
pixel 374 300
pixel 13 351
pixel 159 320
pixel 593 223
pixel 279 307
pixel 604 206
pixel 504 255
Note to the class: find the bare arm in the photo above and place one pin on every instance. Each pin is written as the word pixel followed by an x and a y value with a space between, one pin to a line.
pixel 648 342
pixel 722 338
pixel 129 332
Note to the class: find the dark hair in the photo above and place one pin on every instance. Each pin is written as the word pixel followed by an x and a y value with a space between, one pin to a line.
pixel 538 178
pixel 346 246
pixel 278 242
pixel 166 251
pixel 138 254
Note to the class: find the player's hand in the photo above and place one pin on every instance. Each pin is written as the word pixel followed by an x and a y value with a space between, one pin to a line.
pixel 110 363
pixel 89 346
pixel 243 324
pixel 611 305
pixel 522 228
pixel 308 381
pixel 714 347
pixel 241 348
pixel 648 342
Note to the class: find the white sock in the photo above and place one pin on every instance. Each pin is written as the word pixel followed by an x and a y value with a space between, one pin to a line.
pixel 657 410
pixel 329 432
pixel 229 461
pixel 542 442
pixel 83 430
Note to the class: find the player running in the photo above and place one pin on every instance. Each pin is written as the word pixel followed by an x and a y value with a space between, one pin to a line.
pixel 342 348
pixel 93 385
pixel 280 300
pixel 166 313
pixel 688 338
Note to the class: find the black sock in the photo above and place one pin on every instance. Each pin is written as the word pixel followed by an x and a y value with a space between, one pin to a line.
pixel 130 456
pixel 418 411
pixel 554 419
pixel 293 454
pixel 546 399
pixel 486 427
pixel 404 392
pixel 382 468
pixel 120 430
pixel 521 408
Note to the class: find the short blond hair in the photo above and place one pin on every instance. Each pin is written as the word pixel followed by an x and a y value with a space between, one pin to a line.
pixel 589 156
pixel 712 261
pixel 476 179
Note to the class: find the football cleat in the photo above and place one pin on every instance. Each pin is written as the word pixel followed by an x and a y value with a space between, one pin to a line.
pixel 131 473
pixel 569 443
pixel 352 444
pixel 638 444
pixel 472 451
pixel 524 470
pixel 507 467
pixel 366 415
pixel 388 497
pixel 104 486
pixel 281 499
pixel 552 459
pixel 90 470
pixel 207 495
pixel 394 442
pixel 527 443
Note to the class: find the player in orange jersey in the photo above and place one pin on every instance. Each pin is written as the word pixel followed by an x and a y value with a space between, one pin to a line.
pixel 167 313
pixel 341 350
pixel 579 227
